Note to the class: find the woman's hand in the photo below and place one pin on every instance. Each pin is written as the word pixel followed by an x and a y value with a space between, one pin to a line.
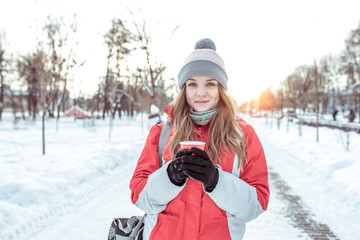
pixel 199 167
pixel 176 176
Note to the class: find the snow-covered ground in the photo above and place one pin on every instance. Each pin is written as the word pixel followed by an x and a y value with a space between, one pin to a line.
pixel 323 173
pixel 81 183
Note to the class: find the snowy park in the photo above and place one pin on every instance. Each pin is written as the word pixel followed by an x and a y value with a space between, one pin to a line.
pixel 81 81
pixel 82 182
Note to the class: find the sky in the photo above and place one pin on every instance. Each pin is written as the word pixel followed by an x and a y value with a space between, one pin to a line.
pixel 261 41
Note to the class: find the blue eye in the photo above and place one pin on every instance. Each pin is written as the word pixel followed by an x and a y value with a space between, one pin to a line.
pixel 211 84
pixel 192 84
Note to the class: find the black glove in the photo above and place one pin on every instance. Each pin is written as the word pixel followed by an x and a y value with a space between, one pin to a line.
pixel 176 176
pixel 200 167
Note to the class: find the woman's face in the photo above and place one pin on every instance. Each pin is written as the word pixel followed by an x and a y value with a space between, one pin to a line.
pixel 202 93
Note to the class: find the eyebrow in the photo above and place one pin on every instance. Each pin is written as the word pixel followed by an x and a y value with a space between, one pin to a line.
pixel 211 79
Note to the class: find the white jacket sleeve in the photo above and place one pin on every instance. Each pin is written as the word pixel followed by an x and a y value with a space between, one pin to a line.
pixel 236 197
pixel 158 192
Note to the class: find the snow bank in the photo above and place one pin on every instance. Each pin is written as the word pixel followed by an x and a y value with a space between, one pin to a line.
pixel 323 173
pixel 79 159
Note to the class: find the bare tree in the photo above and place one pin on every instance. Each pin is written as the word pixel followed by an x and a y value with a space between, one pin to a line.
pixel 153 72
pixel 329 66
pixel 279 99
pixel 319 85
pixel 351 66
pixel 2 82
pixel 316 101
pixel 32 69
pixel 4 64
pixel 61 43
pixel 296 87
pixel 118 40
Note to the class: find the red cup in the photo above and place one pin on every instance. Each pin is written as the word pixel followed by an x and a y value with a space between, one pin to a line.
pixel 190 144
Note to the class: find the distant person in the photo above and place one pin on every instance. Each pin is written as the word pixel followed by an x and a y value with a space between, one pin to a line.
pixel 202 194
pixel 351 115
pixel 154 116
pixel 335 112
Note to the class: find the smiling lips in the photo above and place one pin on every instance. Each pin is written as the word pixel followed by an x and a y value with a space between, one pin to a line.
pixel 201 102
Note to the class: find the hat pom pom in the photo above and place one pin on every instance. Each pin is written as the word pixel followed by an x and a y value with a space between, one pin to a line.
pixel 205 43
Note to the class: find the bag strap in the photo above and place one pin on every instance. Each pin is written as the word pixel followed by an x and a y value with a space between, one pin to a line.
pixel 164 135
pixel 136 229
pixel 129 226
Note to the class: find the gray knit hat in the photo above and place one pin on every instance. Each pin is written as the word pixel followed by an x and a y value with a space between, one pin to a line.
pixel 203 61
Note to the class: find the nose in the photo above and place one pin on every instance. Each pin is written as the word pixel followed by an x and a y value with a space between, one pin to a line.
pixel 201 91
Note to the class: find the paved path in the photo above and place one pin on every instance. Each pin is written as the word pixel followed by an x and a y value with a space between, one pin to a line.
pixel 283 168
pixel 297 212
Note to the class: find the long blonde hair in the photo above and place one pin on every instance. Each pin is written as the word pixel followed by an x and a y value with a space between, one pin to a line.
pixel 225 131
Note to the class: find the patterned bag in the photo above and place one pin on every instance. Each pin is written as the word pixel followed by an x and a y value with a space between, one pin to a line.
pixel 127 228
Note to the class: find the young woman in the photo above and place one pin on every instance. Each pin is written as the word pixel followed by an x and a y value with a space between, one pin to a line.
pixel 199 194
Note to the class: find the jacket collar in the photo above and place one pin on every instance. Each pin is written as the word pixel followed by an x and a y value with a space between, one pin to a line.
pixel 170 112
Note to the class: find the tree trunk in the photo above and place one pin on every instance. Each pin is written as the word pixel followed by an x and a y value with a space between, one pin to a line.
pixel 1 93
pixel 34 107
pixel 358 105
pixel 13 105
pixel 43 132
pixel 105 105
pixel 22 106
pixel 317 103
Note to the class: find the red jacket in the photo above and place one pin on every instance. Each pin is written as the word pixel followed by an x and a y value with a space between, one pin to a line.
pixel 189 212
